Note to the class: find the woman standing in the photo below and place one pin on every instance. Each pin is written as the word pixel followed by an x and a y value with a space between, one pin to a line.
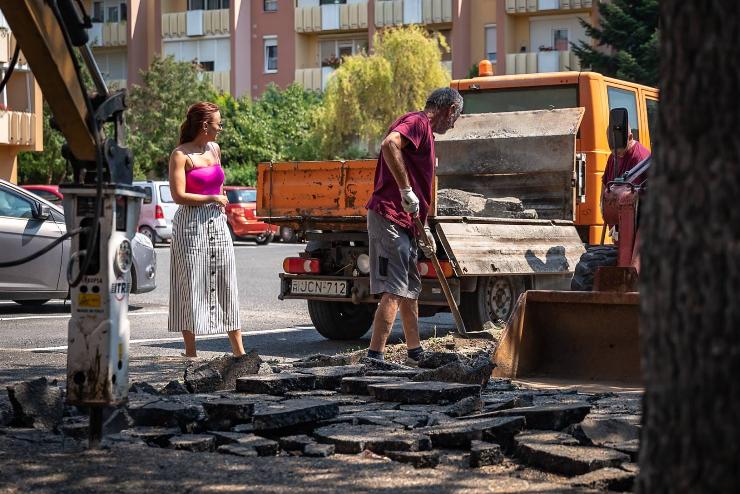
pixel 203 288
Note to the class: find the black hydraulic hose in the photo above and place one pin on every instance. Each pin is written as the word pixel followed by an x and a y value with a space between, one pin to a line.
pixel 14 61
pixel 41 252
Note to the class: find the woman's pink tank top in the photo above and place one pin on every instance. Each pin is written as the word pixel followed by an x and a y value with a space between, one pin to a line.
pixel 205 180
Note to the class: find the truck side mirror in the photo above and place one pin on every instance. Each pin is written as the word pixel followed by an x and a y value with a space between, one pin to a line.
pixel 618 131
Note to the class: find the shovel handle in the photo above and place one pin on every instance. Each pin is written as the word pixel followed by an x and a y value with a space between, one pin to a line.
pixel 443 282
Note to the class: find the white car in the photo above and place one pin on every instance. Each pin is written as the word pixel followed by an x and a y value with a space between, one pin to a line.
pixel 27 224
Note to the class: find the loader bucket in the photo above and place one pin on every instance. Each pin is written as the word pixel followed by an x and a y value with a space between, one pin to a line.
pixel 588 337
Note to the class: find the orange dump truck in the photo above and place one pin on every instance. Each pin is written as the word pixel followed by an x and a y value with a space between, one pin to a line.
pixel 539 138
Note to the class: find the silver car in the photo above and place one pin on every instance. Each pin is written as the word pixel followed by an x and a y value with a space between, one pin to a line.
pixel 157 210
pixel 26 227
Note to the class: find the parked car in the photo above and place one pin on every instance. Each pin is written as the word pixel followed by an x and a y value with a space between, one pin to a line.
pixel 157 210
pixel 28 223
pixel 49 192
pixel 240 212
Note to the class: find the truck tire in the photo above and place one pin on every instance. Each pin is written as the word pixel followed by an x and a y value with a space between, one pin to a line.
pixel 341 320
pixel 492 301
pixel 594 257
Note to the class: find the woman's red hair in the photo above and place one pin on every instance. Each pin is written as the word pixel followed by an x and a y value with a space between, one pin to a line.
pixel 198 114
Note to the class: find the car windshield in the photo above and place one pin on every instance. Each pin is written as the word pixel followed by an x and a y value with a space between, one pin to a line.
pixel 520 99
pixel 165 195
pixel 241 195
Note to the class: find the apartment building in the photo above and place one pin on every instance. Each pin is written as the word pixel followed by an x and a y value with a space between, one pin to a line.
pixel 21 117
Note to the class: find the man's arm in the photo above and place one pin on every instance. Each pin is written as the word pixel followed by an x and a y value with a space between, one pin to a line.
pixel 391 149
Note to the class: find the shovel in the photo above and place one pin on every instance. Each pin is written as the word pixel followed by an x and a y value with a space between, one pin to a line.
pixel 442 281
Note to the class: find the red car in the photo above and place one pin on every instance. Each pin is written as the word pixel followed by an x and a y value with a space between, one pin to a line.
pixel 240 212
pixel 49 192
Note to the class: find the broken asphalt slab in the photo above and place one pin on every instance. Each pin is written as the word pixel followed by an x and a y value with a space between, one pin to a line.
pixel 290 413
pixel 460 433
pixel 220 373
pixel 423 392
pixel 276 384
pixel 352 439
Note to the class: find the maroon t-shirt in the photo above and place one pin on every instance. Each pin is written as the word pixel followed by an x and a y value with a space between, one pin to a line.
pixel 418 155
pixel 632 157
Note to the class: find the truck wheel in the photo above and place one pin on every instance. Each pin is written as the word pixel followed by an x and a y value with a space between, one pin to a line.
pixel 341 320
pixel 594 257
pixel 493 301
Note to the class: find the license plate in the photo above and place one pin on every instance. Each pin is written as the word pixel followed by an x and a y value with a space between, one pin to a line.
pixel 331 288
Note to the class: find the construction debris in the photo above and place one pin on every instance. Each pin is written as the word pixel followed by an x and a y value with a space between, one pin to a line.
pixel 37 404
pixel 370 408
pixel 456 202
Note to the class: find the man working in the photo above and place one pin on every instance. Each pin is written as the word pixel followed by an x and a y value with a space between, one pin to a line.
pixel 627 158
pixel 403 187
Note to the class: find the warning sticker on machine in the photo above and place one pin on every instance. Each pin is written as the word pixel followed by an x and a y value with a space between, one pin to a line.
pixel 89 300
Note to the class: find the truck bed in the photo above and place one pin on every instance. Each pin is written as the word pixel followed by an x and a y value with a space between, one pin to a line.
pixel 315 195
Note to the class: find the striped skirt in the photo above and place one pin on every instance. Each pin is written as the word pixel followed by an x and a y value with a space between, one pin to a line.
pixel 204 298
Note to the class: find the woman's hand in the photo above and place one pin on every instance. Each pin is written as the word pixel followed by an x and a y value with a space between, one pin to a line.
pixel 220 200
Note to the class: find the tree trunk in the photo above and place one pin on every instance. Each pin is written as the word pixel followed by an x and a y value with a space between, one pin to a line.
pixel 691 258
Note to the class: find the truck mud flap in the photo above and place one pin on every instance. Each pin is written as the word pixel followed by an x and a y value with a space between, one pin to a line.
pixel 588 337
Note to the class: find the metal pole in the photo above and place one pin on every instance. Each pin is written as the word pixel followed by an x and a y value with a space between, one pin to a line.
pixel 443 282
pixel 95 431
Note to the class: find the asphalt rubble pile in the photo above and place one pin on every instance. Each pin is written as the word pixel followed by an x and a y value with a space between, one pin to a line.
pixel 456 202
pixel 349 404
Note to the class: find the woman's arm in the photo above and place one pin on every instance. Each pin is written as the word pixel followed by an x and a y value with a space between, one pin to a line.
pixel 177 184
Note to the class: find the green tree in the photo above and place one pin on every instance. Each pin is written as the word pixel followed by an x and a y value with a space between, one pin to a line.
pixel 47 167
pixel 277 126
pixel 629 31
pixel 367 92
pixel 156 110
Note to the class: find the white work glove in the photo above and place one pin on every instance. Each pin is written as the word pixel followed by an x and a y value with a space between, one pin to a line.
pixel 426 243
pixel 409 201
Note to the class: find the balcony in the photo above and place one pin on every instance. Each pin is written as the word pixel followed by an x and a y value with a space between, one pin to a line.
pixel 318 18
pixel 220 80
pixel 7 48
pixel 545 6
pixel 195 23
pixel 108 34
pixel 543 61
pixel 17 128
pixel 400 12
pixel 314 79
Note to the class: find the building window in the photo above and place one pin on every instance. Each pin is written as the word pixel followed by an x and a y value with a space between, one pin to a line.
pixel 332 51
pixel 270 6
pixel 271 55
pixel 124 12
pixel 623 98
pixel 560 39
pixel 97 12
pixel 491 43
pixel 112 14
pixel 208 4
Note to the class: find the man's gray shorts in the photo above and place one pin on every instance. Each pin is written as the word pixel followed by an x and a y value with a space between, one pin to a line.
pixel 393 256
